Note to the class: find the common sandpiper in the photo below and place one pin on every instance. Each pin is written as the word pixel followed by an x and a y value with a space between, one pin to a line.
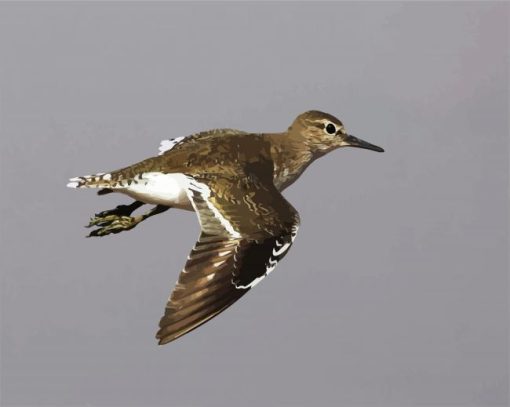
pixel 233 180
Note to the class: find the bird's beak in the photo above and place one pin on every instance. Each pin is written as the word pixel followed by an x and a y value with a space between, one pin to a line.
pixel 351 141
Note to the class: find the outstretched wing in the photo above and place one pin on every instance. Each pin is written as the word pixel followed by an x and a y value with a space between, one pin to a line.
pixel 247 227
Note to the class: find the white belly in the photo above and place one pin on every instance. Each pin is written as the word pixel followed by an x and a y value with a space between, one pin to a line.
pixel 160 189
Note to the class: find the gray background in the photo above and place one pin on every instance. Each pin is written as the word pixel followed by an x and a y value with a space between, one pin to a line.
pixel 395 292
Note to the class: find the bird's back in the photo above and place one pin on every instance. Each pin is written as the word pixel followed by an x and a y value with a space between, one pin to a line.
pixel 222 151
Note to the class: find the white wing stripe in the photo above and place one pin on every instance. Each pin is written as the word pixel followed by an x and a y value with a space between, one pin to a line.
pixel 205 192
pixel 282 250
pixel 270 265
pixel 167 145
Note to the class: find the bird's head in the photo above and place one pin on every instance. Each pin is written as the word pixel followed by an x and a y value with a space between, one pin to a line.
pixel 323 132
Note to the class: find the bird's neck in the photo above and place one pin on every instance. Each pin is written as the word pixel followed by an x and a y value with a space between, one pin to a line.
pixel 291 155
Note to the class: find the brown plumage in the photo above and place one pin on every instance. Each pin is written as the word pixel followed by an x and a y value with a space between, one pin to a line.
pixel 232 180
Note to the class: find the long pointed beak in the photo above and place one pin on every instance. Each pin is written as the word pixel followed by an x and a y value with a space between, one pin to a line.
pixel 351 141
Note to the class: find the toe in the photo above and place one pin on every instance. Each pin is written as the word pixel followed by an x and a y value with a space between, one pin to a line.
pixel 111 225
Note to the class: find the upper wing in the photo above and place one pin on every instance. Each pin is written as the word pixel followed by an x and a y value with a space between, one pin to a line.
pixel 169 144
pixel 247 227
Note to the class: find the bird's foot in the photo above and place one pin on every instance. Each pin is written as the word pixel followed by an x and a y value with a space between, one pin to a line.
pixel 119 219
pixel 121 210
pixel 112 224
pixel 114 220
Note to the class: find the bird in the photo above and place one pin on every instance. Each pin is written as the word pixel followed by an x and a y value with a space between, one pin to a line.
pixel 233 180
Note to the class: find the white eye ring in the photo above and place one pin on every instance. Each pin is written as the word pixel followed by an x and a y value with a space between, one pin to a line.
pixel 330 128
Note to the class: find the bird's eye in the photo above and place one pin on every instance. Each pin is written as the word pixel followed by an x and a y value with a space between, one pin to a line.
pixel 330 128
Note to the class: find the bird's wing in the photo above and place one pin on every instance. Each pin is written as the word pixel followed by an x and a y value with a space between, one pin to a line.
pixel 169 144
pixel 247 227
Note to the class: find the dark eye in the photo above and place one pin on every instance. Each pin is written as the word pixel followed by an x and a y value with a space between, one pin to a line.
pixel 330 128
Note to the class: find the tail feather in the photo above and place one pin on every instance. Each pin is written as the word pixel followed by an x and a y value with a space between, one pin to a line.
pixel 100 180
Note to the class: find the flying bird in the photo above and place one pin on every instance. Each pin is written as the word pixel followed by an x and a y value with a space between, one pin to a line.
pixel 233 181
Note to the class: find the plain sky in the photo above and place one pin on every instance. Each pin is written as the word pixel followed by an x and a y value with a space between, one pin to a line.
pixel 395 292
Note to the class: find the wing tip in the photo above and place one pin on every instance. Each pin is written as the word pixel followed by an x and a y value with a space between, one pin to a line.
pixel 165 339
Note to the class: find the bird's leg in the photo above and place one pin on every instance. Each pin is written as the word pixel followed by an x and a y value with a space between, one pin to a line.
pixel 118 220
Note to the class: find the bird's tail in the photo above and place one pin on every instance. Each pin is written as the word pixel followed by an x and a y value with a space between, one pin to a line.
pixel 99 180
